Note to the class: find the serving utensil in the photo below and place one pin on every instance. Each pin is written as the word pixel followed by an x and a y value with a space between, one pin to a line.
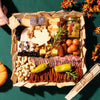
pixel 93 72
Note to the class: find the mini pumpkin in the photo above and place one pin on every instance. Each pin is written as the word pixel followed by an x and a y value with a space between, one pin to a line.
pixel 3 74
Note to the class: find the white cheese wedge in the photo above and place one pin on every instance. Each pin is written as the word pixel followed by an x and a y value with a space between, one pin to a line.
pixel 24 36
pixel 40 37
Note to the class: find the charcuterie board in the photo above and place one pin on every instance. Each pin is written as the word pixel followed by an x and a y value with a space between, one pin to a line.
pixel 48 48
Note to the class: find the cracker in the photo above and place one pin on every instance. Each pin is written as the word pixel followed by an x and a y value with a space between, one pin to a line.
pixel 25 21
pixel 28 21
pixel 13 22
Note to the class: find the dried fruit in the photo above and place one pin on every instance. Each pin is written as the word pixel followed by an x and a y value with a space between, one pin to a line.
pixel 75 42
pixel 60 50
pixel 69 42
pixel 64 48
pixel 73 47
pixel 77 52
pixel 69 50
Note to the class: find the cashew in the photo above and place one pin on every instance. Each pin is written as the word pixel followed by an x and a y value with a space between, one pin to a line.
pixel 20 73
pixel 31 67
pixel 23 70
pixel 18 69
pixel 24 59
pixel 19 58
pixel 22 63
pixel 26 78
pixel 17 73
pixel 29 74
pixel 23 67
pixel 17 63
pixel 25 74
pixel 21 78
pixel 17 66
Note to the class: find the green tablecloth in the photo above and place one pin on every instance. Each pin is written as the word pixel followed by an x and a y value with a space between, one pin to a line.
pixel 7 92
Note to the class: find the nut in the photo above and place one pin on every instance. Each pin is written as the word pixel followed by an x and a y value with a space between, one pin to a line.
pixel 42 27
pixel 25 74
pixel 48 54
pixel 30 34
pixel 27 64
pixel 29 74
pixel 31 67
pixel 37 27
pixel 22 63
pixel 27 71
pixel 20 73
pixel 17 63
pixel 17 66
pixel 26 78
pixel 22 69
pixel 18 69
pixel 29 59
pixel 21 78
pixel 36 49
pixel 17 73
pixel 24 59
pixel 48 48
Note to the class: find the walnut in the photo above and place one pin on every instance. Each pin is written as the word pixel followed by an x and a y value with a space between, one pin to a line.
pixel 30 34
pixel 37 27
pixel 42 27
pixel 48 54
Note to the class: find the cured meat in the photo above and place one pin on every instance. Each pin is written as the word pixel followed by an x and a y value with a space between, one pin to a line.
pixel 56 61
pixel 49 75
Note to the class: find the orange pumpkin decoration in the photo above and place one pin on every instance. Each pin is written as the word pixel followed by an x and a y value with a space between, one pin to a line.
pixel 3 74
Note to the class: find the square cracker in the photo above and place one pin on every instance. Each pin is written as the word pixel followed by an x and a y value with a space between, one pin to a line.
pixel 13 22
pixel 25 22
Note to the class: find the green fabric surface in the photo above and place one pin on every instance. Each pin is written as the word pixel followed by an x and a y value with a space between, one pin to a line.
pixel 8 92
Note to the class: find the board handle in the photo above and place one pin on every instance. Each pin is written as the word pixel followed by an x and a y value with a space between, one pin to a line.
pixel 93 72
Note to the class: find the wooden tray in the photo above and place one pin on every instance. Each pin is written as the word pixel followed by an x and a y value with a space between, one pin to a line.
pixel 48 14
